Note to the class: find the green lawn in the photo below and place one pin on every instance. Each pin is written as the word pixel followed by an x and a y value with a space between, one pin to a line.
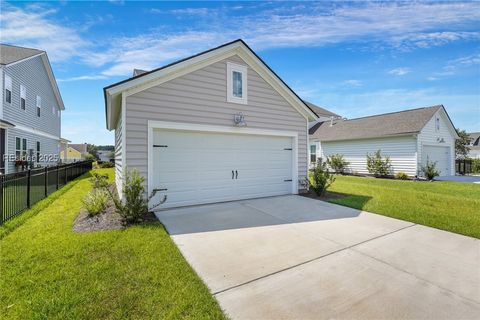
pixel 50 272
pixel 451 206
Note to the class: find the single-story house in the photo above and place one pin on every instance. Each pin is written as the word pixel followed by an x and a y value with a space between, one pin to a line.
pixel 408 137
pixel 217 126
pixel 474 145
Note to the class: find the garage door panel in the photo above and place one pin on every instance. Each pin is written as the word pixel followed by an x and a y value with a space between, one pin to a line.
pixel 197 167
pixel 438 154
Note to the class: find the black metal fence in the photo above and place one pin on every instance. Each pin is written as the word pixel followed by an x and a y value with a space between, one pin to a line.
pixel 19 191
pixel 463 166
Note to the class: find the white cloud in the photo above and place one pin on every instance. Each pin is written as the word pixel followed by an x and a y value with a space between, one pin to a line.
pixel 466 61
pixel 34 28
pixel 399 71
pixel 81 78
pixel 353 83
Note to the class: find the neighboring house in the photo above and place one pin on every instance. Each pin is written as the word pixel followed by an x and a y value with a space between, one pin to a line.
pixel 474 145
pixel 30 109
pixel 408 137
pixel 217 126
pixel 71 155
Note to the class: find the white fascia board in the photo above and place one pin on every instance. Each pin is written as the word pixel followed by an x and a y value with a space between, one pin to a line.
pixel 53 82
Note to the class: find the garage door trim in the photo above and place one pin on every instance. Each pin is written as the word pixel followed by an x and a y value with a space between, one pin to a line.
pixel 181 126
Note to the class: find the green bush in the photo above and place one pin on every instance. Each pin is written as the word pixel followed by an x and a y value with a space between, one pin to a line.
pixel 107 164
pixel 401 176
pixel 377 165
pixel 95 201
pixel 135 205
pixel 430 170
pixel 475 165
pixel 321 179
pixel 99 181
pixel 337 163
pixel 88 156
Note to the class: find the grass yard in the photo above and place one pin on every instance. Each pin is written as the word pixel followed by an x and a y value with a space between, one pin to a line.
pixel 50 272
pixel 450 206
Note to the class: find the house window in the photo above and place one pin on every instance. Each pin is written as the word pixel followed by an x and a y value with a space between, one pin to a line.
pixel 23 97
pixel 20 148
pixel 313 153
pixel 38 152
pixel 8 89
pixel 39 105
pixel 437 124
pixel 236 83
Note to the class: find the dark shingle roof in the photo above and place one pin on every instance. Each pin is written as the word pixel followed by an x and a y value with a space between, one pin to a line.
pixel 321 111
pixel 475 136
pixel 10 54
pixel 383 125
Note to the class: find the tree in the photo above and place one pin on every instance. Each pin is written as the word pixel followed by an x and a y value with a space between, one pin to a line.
pixel 461 144
pixel 92 149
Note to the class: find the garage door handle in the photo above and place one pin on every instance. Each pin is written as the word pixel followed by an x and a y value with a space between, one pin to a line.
pixel 236 174
pixel 233 174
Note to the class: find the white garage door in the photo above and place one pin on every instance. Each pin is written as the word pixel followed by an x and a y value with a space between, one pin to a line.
pixel 440 155
pixel 198 167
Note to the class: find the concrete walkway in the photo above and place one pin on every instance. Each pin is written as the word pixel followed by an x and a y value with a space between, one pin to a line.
pixel 292 257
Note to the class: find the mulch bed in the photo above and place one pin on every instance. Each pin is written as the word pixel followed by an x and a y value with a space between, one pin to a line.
pixel 109 219
pixel 326 197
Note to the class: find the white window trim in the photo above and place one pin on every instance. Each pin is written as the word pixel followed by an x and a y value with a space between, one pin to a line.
pixel 23 95
pixel 21 147
pixel 231 67
pixel 39 106
pixel 8 86
pixel 437 123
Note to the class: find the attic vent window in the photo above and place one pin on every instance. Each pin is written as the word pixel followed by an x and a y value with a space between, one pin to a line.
pixel 437 124
pixel 236 83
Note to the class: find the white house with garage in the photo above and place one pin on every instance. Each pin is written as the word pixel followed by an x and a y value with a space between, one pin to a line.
pixel 409 138
pixel 218 126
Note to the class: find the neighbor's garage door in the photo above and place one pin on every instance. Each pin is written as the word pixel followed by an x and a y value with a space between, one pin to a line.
pixel 198 167
pixel 440 155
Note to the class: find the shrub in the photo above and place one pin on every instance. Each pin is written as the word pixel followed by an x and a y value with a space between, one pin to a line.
pixel 401 176
pixel 337 163
pixel 377 165
pixel 107 164
pixel 99 181
pixel 321 179
pixel 88 156
pixel 475 165
pixel 95 201
pixel 430 170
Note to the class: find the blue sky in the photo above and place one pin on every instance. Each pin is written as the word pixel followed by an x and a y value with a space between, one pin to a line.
pixel 354 58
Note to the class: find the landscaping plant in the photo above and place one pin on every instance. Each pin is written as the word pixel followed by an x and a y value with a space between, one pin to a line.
pixel 321 179
pixel 107 164
pixel 401 175
pixel 95 201
pixel 430 170
pixel 337 163
pixel 377 165
pixel 99 181
pixel 134 205
pixel 475 165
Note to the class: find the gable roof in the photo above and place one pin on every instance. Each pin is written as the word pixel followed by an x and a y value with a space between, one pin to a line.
pixel 475 138
pixel 321 111
pixel 113 93
pixel 382 125
pixel 10 54
pixel 137 72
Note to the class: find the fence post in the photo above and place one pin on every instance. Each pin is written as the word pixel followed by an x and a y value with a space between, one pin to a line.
pixel 1 199
pixel 29 184
pixel 58 175
pixel 46 182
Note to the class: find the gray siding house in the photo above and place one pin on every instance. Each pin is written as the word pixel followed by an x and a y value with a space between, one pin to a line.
pixel 410 138
pixel 30 109
pixel 218 126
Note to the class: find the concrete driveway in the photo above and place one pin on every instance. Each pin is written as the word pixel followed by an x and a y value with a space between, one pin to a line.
pixel 292 257
pixel 467 179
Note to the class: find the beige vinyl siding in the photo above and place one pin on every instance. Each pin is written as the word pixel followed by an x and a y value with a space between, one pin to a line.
pixel 119 153
pixel 200 97
pixel 430 136
pixel 402 152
